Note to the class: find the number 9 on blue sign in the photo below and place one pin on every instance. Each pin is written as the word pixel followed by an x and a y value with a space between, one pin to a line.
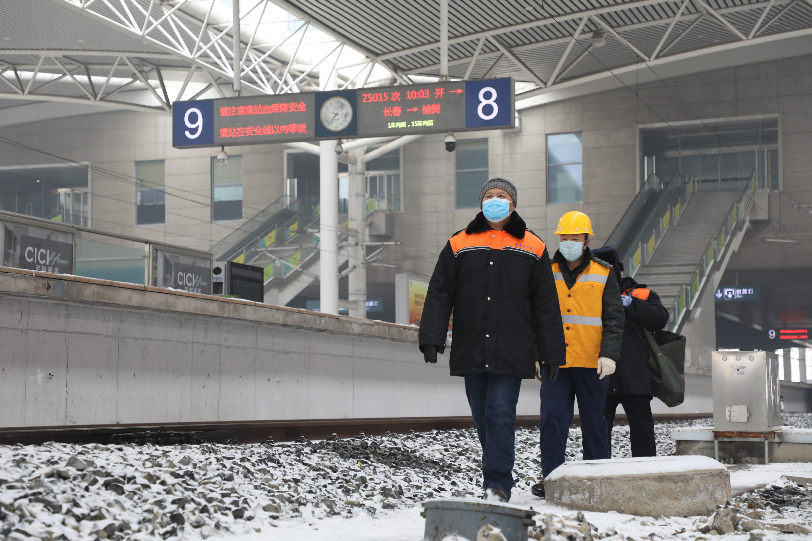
pixel 489 104
pixel 193 123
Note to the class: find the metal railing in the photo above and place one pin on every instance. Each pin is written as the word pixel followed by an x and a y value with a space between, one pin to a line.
pixel 656 208
pixel 257 227
pixel 714 253
pixel 47 246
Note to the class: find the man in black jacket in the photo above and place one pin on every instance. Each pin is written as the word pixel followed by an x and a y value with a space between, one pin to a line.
pixel 631 384
pixel 496 277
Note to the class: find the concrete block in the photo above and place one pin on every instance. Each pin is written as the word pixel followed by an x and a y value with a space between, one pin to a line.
pixel 237 382
pixel 671 486
pixel 757 106
pixel 47 316
pixel 13 313
pixel 796 123
pixel 92 386
pixel 331 387
pixel 292 388
pixel 45 378
pixel 13 375
pixel 564 123
pixel 205 381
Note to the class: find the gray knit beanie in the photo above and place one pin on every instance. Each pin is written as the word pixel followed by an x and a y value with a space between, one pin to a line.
pixel 502 183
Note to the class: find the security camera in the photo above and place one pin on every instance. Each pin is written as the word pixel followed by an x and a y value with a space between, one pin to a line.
pixel 222 157
pixel 450 142
pixel 339 149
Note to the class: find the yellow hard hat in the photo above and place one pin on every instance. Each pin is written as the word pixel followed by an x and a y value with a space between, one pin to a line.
pixel 574 223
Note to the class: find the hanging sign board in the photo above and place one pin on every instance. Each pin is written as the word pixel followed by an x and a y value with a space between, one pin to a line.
pixel 367 112
pixel 436 108
pixel 244 121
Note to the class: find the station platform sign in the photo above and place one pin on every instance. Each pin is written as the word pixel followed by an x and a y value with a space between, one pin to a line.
pixel 345 114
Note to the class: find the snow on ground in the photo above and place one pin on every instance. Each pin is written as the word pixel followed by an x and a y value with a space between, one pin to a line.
pixel 361 488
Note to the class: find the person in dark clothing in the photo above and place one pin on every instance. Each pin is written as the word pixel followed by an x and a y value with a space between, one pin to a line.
pixel 496 277
pixel 631 384
pixel 592 315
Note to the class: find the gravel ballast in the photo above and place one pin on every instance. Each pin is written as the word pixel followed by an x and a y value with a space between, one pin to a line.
pixel 67 491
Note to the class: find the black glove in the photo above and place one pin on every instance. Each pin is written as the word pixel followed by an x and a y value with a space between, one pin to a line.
pixel 430 354
pixel 553 373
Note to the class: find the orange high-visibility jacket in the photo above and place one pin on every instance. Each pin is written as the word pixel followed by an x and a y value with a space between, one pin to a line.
pixel 581 309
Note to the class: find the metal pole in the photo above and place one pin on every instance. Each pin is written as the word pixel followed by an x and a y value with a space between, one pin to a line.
pixel 766 451
pixel 444 40
pixel 235 28
pixel 357 225
pixel 328 229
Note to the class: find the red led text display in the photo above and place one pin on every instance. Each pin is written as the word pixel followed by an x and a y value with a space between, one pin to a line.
pixel 264 119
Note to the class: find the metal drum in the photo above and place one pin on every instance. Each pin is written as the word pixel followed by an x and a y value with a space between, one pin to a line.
pixel 465 518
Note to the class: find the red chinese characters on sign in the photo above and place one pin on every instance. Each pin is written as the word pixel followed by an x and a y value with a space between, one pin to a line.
pixel 431 109
pixel 292 107
pixel 395 96
pixel 269 129
pixel 391 111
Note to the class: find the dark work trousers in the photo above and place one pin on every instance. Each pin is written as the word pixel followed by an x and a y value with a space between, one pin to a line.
pixel 493 399
pixel 557 409
pixel 641 423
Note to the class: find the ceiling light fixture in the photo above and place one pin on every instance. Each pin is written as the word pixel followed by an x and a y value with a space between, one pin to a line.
pixel 597 38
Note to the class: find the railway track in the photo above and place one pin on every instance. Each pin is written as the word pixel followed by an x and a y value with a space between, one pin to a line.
pixel 260 431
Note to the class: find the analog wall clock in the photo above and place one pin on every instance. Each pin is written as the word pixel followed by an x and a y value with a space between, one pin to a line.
pixel 336 113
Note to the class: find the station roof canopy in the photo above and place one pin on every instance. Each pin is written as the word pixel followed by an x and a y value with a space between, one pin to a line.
pixel 145 54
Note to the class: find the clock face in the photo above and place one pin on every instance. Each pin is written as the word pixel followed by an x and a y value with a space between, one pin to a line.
pixel 336 113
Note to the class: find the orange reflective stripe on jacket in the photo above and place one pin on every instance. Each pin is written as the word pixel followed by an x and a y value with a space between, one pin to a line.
pixel 496 240
pixel 639 293
pixel 581 310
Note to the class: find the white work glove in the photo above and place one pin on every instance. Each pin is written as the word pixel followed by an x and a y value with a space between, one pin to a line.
pixel 538 371
pixel 606 367
pixel 627 300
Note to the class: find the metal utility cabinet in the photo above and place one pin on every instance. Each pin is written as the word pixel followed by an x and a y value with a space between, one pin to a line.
pixel 745 392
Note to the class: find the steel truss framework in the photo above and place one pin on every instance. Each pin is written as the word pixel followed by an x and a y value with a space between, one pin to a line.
pixel 181 49
pixel 153 45
pixel 547 43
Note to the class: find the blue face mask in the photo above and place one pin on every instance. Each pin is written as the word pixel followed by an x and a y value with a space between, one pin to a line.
pixel 495 209
pixel 571 249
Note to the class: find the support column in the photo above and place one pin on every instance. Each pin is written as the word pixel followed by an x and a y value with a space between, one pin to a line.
pixel 787 358
pixel 357 226
pixel 444 40
pixel 328 229
pixel 235 46
pixel 802 364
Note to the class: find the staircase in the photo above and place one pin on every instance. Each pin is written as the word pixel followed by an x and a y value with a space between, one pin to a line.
pixel 674 262
pixel 672 237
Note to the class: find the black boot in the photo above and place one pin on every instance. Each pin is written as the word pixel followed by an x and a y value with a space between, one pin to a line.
pixel 538 490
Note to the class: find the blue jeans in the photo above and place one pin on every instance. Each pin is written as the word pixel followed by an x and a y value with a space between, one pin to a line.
pixel 493 400
pixel 557 409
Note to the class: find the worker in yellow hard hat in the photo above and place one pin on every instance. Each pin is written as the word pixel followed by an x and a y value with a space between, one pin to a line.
pixel 592 315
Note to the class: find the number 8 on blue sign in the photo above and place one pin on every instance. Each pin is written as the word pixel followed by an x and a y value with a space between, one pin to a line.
pixel 488 104
pixel 490 101
pixel 193 123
